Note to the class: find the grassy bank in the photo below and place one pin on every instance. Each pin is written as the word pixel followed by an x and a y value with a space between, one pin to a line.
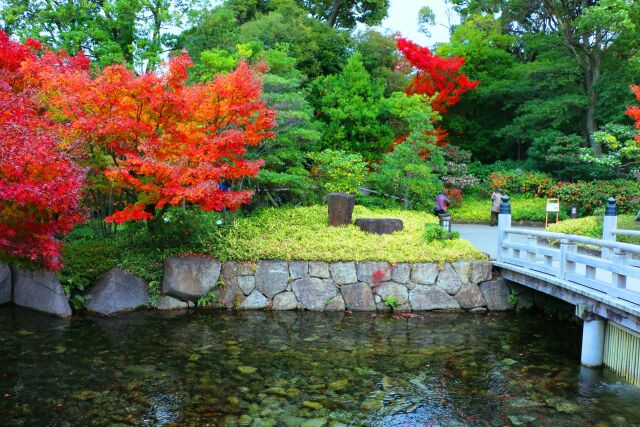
pixel 285 233
pixel 474 210
pixel 591 226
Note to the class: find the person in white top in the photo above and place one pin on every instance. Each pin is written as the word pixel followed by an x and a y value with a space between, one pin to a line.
pixel 496 199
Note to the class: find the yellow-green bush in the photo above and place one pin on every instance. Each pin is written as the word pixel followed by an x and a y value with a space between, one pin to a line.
pixel 302 233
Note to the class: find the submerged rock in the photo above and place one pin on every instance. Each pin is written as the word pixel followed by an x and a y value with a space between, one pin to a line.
pixel 190 277
pixel 117 291
pixel 40 291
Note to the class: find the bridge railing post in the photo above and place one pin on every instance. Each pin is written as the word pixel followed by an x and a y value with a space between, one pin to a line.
pixel 566 266
pixel 609 226
pixel 619 257
pixel 504 222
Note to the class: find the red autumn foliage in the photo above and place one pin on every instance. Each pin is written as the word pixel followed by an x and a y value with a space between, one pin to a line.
pixel 158 139
pixel 634 111
pixel 436 75
pixel 39 185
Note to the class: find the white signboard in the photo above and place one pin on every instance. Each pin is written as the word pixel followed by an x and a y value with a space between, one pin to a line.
pixel 553 205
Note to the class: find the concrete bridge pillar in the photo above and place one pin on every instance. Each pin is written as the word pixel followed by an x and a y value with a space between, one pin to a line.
pixel 593 328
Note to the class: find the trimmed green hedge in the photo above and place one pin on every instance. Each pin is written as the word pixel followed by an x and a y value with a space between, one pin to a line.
pixel 477 210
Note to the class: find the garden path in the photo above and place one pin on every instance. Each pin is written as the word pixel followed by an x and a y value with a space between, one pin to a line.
pixel 484 237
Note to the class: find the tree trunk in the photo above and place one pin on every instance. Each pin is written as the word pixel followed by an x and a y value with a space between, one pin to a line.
pixel 335 11
pixel 592 74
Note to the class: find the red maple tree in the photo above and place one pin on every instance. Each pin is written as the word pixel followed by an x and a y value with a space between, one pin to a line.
pixel 40 186
pixel 436 76
pixel 634 111
pixel 158 141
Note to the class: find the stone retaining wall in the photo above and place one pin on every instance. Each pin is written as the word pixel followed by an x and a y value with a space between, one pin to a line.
pixel 280 285
pixel 316 285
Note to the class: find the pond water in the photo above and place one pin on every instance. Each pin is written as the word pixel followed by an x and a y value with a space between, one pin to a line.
pixel 302 369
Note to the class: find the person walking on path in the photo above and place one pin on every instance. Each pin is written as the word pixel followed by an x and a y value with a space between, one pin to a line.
pixel 442 203
pixel 496 199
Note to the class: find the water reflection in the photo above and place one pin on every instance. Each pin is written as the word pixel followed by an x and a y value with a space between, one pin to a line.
pixel 301 368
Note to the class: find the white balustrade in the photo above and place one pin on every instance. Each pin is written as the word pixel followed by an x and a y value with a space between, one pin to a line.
pixel 610 271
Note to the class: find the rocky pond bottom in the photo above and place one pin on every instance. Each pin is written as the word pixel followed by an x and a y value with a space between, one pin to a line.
pixel 302 369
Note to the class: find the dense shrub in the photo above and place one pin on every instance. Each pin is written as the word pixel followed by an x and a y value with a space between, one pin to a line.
pixel 589 196
pixel 536 184
pixel 591 226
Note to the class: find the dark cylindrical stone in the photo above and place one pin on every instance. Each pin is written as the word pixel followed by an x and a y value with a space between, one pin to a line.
pixel 340 208
pixel 379 225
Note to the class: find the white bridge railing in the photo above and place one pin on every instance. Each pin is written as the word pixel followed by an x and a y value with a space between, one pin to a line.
pixel 615 271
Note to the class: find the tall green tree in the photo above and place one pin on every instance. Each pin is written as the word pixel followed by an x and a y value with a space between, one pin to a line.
pixel 347 13
pixel 131 31
pixel 588 30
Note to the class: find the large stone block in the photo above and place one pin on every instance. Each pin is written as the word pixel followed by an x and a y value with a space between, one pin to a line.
pixel 319 269
pixel 190 277
pixel 430 297
pixel 298 269
pixel 480 271
pixel 470 297
pixel 246 283
pixel 314 293
pixel 5 283
pixel 285 301
pixel 358 297
pixel 496 294
pixel 343 273
pixel 272 277
pixel 167 303
pixel 40 291
pixel 395 290
pixel 463 270
pixel 335 304
pixel 379 225
pixel 448 280
pixel 401 273
pixel 340 208
pixel 255 301
pixel 117 291
pixel 230 295
pixel 366 269
pixel 424 274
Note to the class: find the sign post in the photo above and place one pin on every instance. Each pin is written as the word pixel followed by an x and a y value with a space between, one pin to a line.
pixel 553 206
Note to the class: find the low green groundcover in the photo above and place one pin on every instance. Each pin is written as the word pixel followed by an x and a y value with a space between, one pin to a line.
pixel 302 233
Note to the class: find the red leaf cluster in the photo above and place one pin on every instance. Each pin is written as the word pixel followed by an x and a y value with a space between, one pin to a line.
pixel 39 185
pixel 156 137
pixel 436 75
pixel 634 111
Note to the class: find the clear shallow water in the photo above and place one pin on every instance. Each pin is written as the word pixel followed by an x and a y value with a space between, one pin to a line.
pixel 311 369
